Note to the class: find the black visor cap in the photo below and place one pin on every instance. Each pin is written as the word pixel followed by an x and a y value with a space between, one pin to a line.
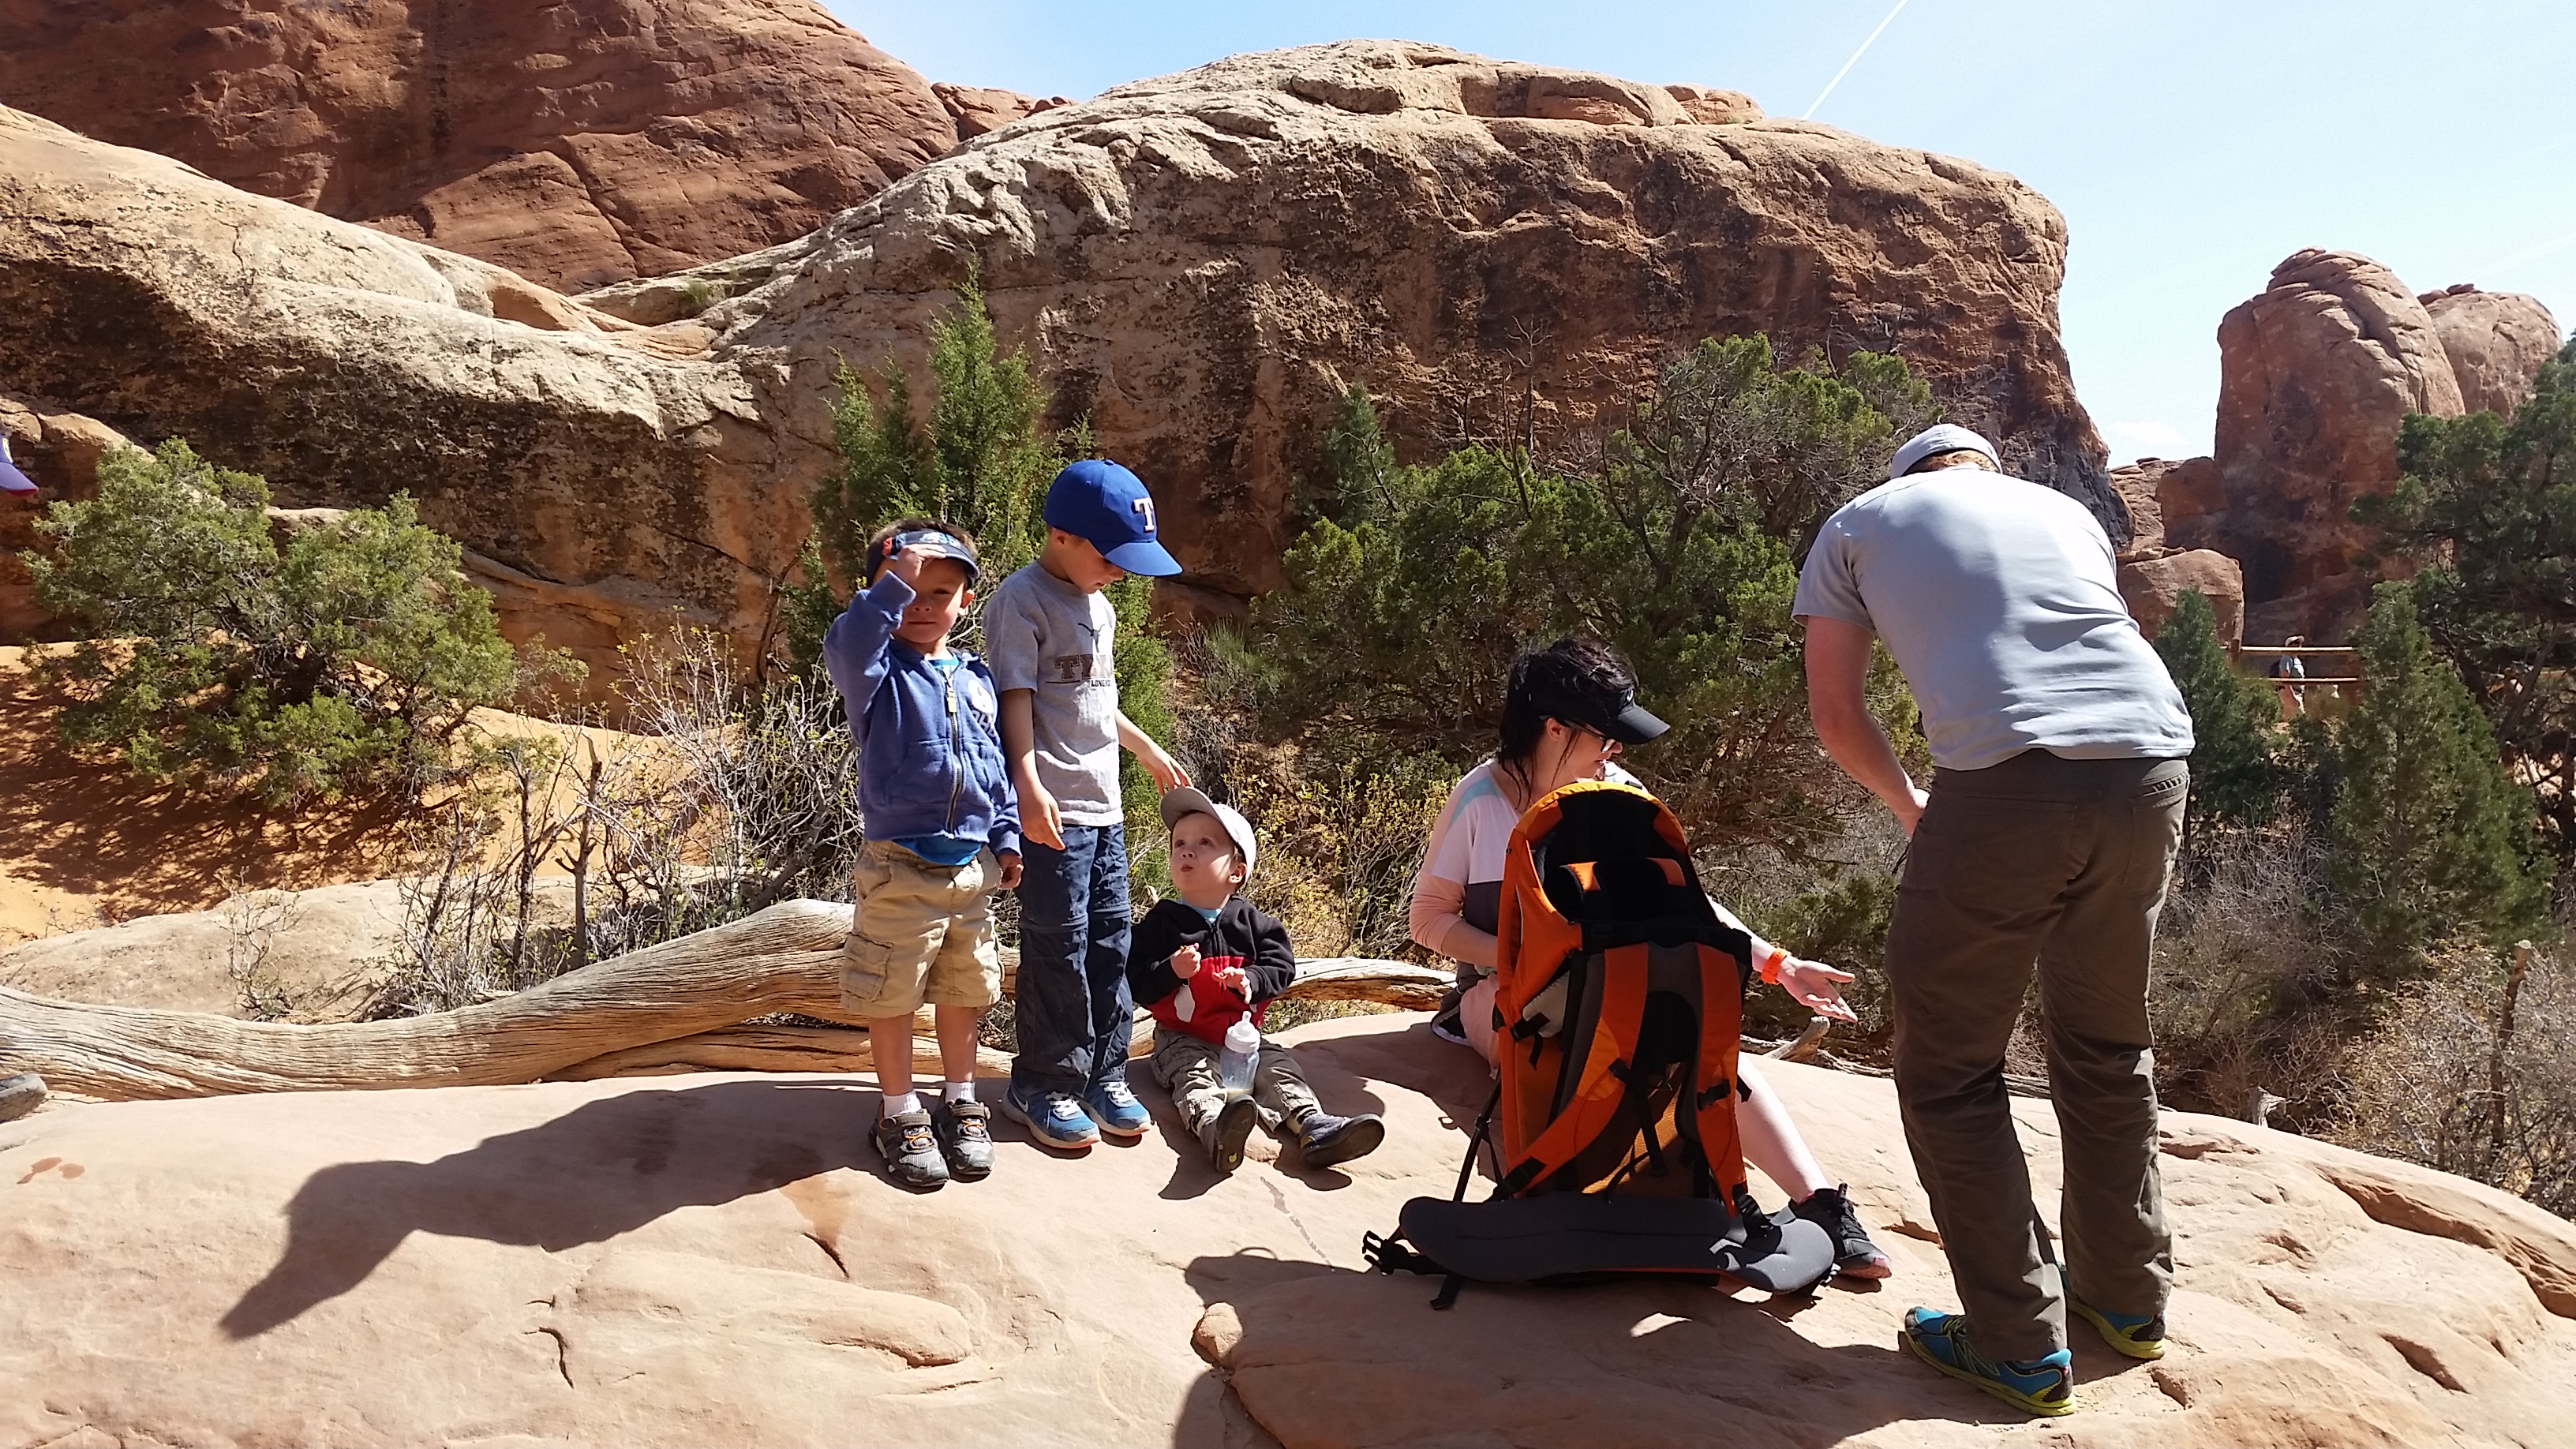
pixel 1627 721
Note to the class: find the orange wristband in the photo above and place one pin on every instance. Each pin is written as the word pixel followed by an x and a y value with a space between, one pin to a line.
pixel 1771 966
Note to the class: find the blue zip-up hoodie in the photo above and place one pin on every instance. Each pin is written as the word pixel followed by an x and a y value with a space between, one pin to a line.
pixel 930 740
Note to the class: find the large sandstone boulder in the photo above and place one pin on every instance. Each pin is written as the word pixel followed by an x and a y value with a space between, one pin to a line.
pixel 1203 263
pixel 714 1259
pixel 612 476
pixel 2496 342
pixel 312 955
pixel 2153 585
pixel 575 143
pixel 2315 375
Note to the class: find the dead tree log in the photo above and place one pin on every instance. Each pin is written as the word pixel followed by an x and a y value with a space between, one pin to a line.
pixel 668 1008
pixel 784 959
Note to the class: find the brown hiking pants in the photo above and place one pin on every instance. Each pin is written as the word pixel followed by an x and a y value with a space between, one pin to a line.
pixel 2061 863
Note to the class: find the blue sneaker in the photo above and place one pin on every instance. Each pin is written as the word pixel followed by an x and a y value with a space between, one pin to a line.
pixel 1116 1109
pixel 2135 1334
pixel 1055 1119
pixel 2044 1386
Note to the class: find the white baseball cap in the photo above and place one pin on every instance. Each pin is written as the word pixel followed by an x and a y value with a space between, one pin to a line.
pixel 1190 800
pixel 1938 438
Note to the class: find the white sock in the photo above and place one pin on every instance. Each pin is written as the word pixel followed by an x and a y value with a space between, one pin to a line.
pixel 898 1106
pixel 961 1091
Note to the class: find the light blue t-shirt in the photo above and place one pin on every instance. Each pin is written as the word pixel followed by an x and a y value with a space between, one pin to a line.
pixel 1044 635
pixel 2000 600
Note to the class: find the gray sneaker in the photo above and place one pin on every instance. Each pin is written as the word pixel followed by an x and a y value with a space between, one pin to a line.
pixel 965 1133
pixel 911 1151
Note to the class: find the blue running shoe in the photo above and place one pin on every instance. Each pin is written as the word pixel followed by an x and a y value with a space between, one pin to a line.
pixel 2137 1335
pixel 1116 1109
pixel 1055 1119
pixel 2044 1386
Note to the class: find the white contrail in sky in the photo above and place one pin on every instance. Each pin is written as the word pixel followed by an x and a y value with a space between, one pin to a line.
pixel 1855 60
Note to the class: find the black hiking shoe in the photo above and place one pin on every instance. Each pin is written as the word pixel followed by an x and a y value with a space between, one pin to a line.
pixel 1226 1133
pixel 965 1133
pixel 911 1151
pixel 1854 1254
pixel 1324 1139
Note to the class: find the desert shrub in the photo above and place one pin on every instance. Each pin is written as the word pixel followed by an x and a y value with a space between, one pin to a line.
pixel 2242 991
pixel 1676 541
pixel 2430 834
pixel 2474 1072
pixel 1340 840
pixel 567 851
pixel 2235 777
pixel 347 659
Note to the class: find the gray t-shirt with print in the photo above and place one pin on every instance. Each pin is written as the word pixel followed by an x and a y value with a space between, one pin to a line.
pixel 2000 601
pixel 1044 635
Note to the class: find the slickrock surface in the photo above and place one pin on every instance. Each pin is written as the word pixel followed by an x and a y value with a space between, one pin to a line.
pixel 713 1260
pixel 576 142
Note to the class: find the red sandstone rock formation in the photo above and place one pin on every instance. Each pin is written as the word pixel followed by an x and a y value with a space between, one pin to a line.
pixel 977 110
pixel 2496 342
pixel 2315 375
pixel 1200 264
pixel 576 142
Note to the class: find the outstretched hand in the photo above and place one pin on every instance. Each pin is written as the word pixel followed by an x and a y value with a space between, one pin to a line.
pixel 1817 987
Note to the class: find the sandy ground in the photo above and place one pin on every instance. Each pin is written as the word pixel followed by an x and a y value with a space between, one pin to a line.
pixel 83 843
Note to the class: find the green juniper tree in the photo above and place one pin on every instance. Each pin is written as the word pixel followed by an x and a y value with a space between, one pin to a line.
pixel 349 657
pixel 2489 508
pixel 1677 544
pixel 2430 834
pixel 982 463
pixel 2236 776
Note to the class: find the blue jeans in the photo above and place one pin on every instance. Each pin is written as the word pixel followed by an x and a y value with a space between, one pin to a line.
pixel 1072 1006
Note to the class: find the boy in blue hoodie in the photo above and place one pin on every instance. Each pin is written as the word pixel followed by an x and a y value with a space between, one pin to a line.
pixel 942 830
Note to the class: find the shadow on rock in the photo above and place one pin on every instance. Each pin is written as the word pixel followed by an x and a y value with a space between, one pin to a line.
pixel 605 1168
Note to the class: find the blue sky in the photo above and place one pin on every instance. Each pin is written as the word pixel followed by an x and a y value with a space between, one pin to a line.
pixel 2191 145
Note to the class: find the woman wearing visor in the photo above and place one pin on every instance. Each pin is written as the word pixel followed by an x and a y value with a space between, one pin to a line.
pixel 1567 712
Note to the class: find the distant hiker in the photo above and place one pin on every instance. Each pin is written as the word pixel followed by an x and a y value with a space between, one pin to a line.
pixel 1051 635
pixel 2057 793
pixel 2290 673
pixel 942 835
pixel 1205 960
pixel 1567 711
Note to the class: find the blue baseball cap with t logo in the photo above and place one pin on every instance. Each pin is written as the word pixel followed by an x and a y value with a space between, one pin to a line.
pixel 1104 504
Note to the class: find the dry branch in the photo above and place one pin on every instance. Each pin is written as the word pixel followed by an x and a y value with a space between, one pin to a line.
pixel 784 959
pixel 659 1010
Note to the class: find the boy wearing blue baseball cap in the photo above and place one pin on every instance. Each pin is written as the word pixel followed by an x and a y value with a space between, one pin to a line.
pixel 942 834
pixel 1050 633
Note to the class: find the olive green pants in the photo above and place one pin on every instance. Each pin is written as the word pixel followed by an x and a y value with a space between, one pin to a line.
pixel 2060 865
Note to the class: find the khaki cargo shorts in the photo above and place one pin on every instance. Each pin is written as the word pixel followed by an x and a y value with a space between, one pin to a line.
pixel 922 933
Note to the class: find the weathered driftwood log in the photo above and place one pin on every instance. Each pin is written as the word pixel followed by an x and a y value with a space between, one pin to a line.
pixel 1399 984
pixel 785 959
pixel 663 1009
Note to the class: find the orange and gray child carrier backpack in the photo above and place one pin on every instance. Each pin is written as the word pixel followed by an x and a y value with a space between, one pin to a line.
pixel 1618 1011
